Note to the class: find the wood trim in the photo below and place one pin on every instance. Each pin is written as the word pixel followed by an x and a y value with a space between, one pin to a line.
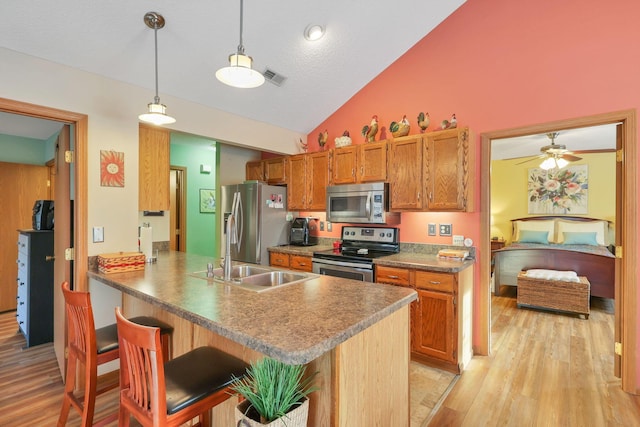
pixel 627 225
pixel 81 130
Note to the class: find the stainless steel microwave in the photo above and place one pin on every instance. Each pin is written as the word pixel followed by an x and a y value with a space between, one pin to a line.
pixel 360 204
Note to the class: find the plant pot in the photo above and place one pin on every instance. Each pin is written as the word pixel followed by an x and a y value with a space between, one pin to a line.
pixel 297 417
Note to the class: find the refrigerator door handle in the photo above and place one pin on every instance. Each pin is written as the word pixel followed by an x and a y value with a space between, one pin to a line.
pixel 240 215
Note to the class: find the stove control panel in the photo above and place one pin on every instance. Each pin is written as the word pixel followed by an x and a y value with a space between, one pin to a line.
pixel 370 234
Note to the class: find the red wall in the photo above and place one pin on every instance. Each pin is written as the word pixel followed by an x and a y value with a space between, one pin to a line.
pixel 501 64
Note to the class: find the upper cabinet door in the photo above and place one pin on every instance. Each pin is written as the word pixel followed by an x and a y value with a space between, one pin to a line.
pixel 275 170
pixel 297 188
pixel 372 162
pixel 345 160
pixel 317 180
pixel 254 171
pixel 405 173
pixel 153 169
pixel 447 163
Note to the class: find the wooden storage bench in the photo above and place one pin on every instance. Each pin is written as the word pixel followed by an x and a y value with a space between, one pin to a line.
pixel 571 297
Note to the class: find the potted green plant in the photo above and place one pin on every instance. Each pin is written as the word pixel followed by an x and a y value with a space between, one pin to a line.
pixel 275 395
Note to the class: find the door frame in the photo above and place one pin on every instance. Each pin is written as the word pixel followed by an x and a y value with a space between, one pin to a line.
pixel 181 211
pixel 626 226
pixel 80 264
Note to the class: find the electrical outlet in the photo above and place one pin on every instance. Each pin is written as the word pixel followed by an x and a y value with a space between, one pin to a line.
pixel 329 226
pixel 321 225
pixel 458 240
pixel 445 229
pixel 98 234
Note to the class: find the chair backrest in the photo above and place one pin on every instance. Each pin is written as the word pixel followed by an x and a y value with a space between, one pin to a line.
pixel 81 336
pixel 142 382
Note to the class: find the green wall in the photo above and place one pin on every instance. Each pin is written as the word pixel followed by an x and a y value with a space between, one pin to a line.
pixel 509 190
pixel 16 149
pixel 190 152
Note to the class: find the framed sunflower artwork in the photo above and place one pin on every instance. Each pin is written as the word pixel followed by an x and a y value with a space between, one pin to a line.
pixel 111 169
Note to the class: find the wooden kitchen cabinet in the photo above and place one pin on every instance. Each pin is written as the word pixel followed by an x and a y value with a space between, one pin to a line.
pixel 153 169
pixel 447 167
pixel 275 170
pixel 254 171
pixel 405 173
pixel 360 163
pixel 308 181
pixel 441 318
pixel 290 261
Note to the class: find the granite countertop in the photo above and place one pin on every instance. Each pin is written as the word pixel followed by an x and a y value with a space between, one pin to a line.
pixel 422 261
pixel 299 250
pixel 294 323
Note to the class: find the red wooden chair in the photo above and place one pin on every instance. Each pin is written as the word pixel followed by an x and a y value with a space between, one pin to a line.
pixel 171 393
pixel 92 347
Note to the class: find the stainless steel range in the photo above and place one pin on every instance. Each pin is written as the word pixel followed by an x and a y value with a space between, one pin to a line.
pixel 360 245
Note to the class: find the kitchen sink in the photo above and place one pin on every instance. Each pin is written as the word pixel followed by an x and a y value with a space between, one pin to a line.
pixel 255 278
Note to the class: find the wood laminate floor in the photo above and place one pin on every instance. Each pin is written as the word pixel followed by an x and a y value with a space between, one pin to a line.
pixel 547 369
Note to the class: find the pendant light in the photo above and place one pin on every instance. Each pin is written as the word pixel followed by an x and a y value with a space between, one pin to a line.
pixel 239 72
pixel 157 111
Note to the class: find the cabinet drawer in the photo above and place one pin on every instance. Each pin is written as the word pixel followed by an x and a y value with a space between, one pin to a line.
pixel 279 259
pixel 393 275
pixel 441 282
pixel 23 244
pixel 300 262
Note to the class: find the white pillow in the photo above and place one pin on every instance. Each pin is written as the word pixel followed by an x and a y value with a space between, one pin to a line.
pixel 599 227
pixel 542 225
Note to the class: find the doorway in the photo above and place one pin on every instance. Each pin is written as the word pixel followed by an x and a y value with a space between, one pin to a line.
pixel 78 271
pixel 626 228
pixel 178 203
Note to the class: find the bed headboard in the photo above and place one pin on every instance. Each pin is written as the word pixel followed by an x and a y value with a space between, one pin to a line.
pixel 556 223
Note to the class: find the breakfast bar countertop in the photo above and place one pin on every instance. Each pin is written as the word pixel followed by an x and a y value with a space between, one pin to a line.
pixel 293 323
pixel 422 261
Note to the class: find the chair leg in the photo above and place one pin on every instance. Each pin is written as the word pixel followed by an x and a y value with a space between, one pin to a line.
pixel 89 404
pixel 69 386
pixel 123 417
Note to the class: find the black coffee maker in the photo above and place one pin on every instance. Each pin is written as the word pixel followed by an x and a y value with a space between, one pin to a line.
pixel 43 215
pixel 301 229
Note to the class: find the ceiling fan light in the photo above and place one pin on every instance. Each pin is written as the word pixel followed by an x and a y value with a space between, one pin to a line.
pixel 548 163
pixel 156 115
pixel 239 72
pixel 561 163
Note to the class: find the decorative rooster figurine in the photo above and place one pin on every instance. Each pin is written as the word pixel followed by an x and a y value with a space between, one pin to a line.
pixel 423 121
pixel 322 139
pixel 401 128
pixel 369 131
pixel 303 145
pixel 454 122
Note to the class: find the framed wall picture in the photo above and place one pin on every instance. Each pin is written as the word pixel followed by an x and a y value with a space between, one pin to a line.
pixel 207 200
pixel 558 191
pixel 111 168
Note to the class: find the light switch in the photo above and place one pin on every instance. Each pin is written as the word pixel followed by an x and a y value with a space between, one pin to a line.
pixel 98 234
pixel 431 229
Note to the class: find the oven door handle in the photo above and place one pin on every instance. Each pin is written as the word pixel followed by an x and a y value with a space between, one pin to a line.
pixel 342 263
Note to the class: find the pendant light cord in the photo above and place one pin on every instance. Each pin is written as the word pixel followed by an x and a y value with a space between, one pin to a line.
pixel 156 100
pixel 241 46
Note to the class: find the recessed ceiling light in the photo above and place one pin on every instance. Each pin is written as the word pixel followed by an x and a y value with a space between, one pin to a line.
pixel 314 32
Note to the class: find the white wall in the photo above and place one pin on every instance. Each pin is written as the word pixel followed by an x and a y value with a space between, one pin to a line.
pixel 113 108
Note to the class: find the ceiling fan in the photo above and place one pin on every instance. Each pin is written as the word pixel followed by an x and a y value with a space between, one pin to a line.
pixel 557 155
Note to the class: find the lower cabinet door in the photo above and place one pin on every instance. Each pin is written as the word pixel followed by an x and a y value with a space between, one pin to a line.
pixel 435 332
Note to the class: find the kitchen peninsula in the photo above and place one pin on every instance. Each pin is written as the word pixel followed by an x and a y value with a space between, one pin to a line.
pixel 355 334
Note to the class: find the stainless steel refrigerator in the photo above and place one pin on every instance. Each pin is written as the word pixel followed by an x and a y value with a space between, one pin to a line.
pixel 260 212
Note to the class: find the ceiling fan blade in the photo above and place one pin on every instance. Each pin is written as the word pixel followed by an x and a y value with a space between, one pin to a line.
pixel 541 156
pixel 570 157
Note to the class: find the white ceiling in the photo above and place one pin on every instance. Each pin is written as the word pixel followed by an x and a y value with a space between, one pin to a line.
pixel 109 38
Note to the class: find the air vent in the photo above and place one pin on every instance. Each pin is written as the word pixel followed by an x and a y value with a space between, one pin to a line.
pixel 273 77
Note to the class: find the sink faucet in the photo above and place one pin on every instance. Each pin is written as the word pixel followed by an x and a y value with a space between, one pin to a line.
pixel 231 238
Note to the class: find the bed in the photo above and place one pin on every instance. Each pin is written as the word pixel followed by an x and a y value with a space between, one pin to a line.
pixel 562 243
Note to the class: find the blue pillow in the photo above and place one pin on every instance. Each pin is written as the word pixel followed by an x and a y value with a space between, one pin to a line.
pixel 580 238
pixel 531 236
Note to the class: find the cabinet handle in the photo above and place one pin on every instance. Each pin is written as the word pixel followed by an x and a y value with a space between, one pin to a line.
pixel 430 196
pixel 434 282
pixel 418 196
pixel 393 276
pixel 353 172
pixel 302 264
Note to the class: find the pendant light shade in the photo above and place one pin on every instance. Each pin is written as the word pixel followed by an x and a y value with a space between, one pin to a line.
pixel 240 73
pixel 157 112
